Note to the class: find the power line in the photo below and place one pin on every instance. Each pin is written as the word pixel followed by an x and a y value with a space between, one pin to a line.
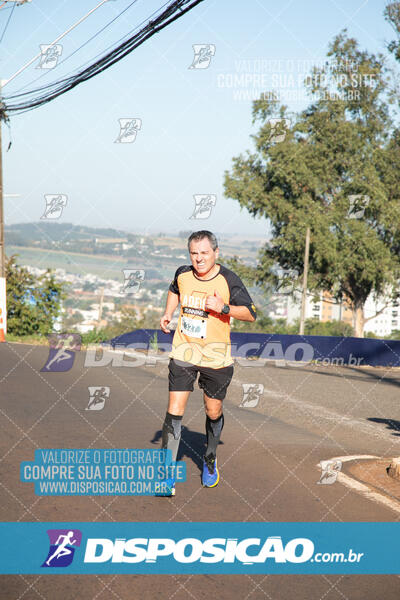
pixel 55 42
pixel 35 98
pixel 15 3
pixel 81 46
pixel 113 44
pixel 8 22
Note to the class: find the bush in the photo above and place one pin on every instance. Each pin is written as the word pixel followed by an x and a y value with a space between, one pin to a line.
pixel 264 324
pixel 395 335
pixel 370 334
pixel 33 303
pixel 127 323
pixel 334 328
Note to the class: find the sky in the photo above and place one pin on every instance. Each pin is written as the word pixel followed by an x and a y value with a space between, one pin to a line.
pixel 190 122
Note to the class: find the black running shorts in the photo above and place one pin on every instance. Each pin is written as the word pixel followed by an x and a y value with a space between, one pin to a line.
pixel 214 382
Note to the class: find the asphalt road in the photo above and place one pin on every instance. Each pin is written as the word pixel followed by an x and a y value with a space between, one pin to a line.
pixel 268 463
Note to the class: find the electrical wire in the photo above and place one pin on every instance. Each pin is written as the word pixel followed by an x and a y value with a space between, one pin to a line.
pixel 45 55
pixel 46 72
pixel 26 101
pixel 89 61
pixel 14 3
pixel 8 22
pixel 117 42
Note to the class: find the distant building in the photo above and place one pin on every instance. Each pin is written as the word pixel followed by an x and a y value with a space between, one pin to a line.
pixel 387 321
pixel 99 241
pixel 282 306
pixel 324 308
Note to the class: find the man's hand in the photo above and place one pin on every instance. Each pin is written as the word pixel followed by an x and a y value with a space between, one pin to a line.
pixel 214 303
pixel 164 321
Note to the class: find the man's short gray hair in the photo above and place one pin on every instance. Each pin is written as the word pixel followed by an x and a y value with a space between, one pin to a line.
pixel 196 236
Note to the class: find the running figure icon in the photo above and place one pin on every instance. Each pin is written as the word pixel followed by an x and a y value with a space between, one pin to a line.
pixel 62 549
pixel 61 355
pixel 63 545
pixel 62 348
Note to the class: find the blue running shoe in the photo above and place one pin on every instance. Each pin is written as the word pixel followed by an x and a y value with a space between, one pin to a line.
pixel 210 476
pixel 167 488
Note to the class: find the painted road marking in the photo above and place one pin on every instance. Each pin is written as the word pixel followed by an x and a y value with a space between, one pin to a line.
pixel 362 488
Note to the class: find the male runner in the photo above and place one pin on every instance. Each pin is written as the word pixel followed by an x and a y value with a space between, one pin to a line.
pixel 209 294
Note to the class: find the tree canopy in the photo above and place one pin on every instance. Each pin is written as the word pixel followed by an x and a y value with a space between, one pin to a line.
pixel 334 167
pixel 33 303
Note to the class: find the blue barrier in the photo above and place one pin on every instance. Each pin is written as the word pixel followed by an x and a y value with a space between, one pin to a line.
pixel 321 349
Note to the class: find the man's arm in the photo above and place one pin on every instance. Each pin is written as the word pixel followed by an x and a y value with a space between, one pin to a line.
pixel 215 303
pixel 172 303
pixel 240 303
pixel 241 313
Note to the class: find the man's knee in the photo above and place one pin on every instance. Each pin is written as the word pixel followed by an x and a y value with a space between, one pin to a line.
pixel 213 413
pixel 177 402
pixel 213 408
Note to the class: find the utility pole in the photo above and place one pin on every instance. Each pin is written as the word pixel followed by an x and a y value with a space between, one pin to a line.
pixel 2 264
pixel 100 308
pixel 3 297
pixel 3 303
pixel 305 276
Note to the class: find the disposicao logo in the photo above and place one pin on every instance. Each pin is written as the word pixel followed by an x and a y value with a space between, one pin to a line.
pixel 62 348
pixel 62 547
pixel 190 550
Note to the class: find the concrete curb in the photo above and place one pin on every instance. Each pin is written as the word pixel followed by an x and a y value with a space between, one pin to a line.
pixel 363 488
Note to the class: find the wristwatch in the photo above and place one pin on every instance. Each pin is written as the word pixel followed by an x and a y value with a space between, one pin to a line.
pixel 225 309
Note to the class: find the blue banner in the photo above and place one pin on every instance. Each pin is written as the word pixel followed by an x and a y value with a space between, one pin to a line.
pixel 293 349
pixel 238 548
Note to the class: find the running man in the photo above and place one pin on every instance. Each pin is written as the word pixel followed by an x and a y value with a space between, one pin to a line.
pixel 62 354
pixel 62 549
pixel 99 396
pixel 209 294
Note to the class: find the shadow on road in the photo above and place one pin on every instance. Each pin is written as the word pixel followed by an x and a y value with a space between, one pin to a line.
pixel 391 424
pixel 359 375
pixel 192 446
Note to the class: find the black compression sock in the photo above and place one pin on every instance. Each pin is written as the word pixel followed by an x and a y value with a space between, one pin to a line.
pixel 213 431
pixel 171 433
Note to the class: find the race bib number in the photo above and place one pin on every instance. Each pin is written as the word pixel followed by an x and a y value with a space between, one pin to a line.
pixel 194 327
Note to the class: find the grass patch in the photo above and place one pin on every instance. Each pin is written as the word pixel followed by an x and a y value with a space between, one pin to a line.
pixel 33 339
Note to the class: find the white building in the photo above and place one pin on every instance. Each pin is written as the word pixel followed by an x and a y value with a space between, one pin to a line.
pixel 324 308
pixel 282 306
pixel 387 321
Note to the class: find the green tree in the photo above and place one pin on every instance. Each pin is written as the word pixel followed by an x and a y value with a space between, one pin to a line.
pixel 33 303
pixel 70 321
pixel 392 15
pixel 336 328
pixel 262 324
pixel 337 171
pixel 395 335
